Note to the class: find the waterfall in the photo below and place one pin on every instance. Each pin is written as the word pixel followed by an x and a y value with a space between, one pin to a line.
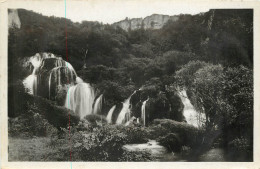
pixel 80 99
pixel 50 73
pixel 59 76
pixel 98 105
pixel 79 80
pixel 143 111
pixel 30 82
pixel 125 110
pixel 191 115
pixel 110 113
pixel 52 67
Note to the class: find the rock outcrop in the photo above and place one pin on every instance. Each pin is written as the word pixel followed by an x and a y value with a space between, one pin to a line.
pixel 154 21
pixel 13 19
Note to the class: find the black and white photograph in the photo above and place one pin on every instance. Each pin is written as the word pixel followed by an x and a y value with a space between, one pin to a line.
pixel 121 83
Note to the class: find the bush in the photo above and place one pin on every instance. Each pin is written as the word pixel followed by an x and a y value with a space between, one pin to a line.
pixel 136 156
pixel 103 144
pixel 240 150
pixel 171 141
pixel 136 134
pixel 30 124
pixel 98 143
pixel 96 120
pixel 56 115
pixel 188 134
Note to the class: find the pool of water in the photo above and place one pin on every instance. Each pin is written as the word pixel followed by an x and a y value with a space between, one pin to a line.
pixel 158 152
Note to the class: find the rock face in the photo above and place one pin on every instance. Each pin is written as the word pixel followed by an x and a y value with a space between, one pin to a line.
pixel 50 75
pixel 13 19
pixel 154 21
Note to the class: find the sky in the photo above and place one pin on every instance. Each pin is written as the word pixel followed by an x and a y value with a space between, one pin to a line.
pixel 110 11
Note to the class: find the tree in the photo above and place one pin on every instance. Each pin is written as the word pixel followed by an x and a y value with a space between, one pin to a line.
pixel 185 76
pixel 238 94
pixel 208 90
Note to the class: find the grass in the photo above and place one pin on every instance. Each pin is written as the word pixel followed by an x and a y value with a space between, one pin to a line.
pixel 215 154
pixel 33 149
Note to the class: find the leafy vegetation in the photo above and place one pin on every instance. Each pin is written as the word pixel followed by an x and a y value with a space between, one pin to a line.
pixel 210 55
pixel 224 95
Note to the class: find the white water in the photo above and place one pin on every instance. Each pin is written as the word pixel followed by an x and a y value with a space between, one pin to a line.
pixel 110 113
pixel 38 62
pixel 143 111
pixel 31 82
pixel 152 146
pixel 158 152
pixel 98 105
pixel 191 115
pixel 125 111
pixel 56 75
pixel 80 99
pixel 79 80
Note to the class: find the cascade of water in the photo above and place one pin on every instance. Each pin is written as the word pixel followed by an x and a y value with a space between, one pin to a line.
pixel 128 114
pixel 30 82
pixel 98 105
pixel 143 111
pixel 191 115
pixel 51 63
pixel 110 113
pixel 125 110
pixel 50 85
pixel 79 80
pixel 80 99
pixel 58 74
pixel 59 62
pixel 55 72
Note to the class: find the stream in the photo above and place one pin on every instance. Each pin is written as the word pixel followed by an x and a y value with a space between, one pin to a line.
pixel 158 152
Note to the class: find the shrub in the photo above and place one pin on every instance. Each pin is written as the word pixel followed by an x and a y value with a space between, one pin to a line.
pixel 171 141
pixel 98 143
pixel 103 144
pixel 188 134
pixel 96 120
pixel 136 156
pixel 240 150
pixel 185 151
pixel 56 115
pixel 30 124
pixel 136 134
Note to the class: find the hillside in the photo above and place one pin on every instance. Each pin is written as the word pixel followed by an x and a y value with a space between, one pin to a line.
pixel 147 75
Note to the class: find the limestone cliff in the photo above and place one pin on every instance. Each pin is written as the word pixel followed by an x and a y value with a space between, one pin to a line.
pixel 154 21
pixel 13 19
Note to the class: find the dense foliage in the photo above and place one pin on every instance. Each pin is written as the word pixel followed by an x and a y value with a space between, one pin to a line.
pixel 226 98
pixel 105 142
pixel 208 54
